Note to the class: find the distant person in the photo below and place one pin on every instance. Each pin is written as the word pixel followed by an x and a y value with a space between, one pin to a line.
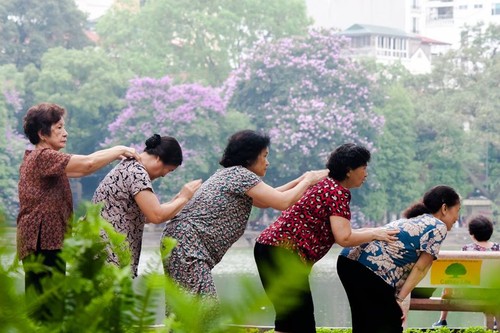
pixel 480 231
pixel 128 196
pixel 377 276
pixel 45 199
pixel 217 215
pixel 305 232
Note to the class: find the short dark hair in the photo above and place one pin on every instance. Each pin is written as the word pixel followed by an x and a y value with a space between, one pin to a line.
pixel 346 157
pixel 243 148
pixel 40 118
pixel 166 148
pixel 433 200
pixel 481 228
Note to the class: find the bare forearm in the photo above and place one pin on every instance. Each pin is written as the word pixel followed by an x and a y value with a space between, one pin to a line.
pixel 289 185
pixel 416 275
pixel 83 165
pixel 168 210
pixel 357 237
pixel 292 195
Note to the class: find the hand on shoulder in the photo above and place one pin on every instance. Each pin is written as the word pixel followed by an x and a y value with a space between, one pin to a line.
pixel 314 176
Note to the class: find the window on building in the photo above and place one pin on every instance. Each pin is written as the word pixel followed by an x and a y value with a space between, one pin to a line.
pixel 362 41
pixel 478 5
pixel 495 8
pixel 415 28
pixel 392 47
pixel 462 7
pixel 444 13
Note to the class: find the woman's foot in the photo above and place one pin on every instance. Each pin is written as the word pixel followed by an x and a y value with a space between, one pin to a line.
pixel 440 323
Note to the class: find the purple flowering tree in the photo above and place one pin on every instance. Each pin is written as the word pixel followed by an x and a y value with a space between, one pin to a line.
pixel 308 95
pixel 191 113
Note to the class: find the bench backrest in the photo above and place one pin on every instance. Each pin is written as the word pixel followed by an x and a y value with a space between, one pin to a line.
pixel 464 269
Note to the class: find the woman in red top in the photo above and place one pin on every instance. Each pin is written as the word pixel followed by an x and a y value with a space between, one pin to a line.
pixel 45 198
pixel 286 250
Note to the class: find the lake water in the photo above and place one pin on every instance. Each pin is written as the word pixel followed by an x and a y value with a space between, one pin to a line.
pixel 330 301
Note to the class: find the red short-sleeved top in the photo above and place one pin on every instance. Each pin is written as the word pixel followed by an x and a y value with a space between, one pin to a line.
pixel 305 226
pixel 45 201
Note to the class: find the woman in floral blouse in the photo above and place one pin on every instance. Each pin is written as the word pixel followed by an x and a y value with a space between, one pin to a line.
pixel 45 200
pixel 378 276
pixel 217 215
pixel 286 250
pixel 128 196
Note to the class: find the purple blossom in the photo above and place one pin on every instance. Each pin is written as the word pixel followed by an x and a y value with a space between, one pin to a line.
pixel 306 93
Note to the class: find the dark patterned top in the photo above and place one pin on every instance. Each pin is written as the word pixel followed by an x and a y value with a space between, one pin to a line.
pixel 477 247
pixel 393 261
pixel 305 226
pixel 117 191
pixel 217 214
pixel 45 201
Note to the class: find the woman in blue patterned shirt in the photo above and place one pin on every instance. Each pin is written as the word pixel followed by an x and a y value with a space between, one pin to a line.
pixel 377 276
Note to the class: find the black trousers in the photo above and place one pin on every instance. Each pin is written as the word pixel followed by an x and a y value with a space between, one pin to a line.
pixel 285 278
pixel 44 272
pixel 373 303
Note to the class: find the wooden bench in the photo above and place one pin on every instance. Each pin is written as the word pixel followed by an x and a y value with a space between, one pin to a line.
pixel 474 275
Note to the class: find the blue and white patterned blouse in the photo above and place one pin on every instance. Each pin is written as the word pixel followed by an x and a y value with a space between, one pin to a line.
pixel 393 261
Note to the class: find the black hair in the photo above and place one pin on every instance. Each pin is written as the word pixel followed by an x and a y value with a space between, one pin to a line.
pixel 433 200
pixel 481 228
pixel 345 158
pixel 166 148
pixel 243 148
pixel 40 118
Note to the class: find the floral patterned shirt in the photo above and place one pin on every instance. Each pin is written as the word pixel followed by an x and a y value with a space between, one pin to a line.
pixel 45 201
pixel 394 261
pixel 117 191
pixel 477 247
pixel 305 226
pixel 217 215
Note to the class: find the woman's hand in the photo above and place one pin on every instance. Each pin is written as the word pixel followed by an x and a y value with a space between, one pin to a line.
pixel 384 234
pixel 314 176
pixel 189 189
pixel 128 152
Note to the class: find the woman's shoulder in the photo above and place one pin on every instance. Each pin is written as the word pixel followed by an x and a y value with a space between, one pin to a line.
pixel 45 158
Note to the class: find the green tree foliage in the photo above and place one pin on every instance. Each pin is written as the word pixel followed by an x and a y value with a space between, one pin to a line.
pixel 12 144
pixel 458 105
pixel 89 85
pixel 397 170
pixel 28 28
pixel 195 40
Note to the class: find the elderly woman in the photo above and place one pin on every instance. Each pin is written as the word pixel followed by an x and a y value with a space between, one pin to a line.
pixel 128 196
pixel 45 196
pixel 378 276
pixel 217 215
pixel 305 232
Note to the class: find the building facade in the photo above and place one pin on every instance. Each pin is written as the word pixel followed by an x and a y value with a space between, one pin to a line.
pixel 441 20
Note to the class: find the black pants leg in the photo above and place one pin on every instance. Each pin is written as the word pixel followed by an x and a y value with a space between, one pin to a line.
pixel 42 269
pixel 285 278
pixel 373 304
